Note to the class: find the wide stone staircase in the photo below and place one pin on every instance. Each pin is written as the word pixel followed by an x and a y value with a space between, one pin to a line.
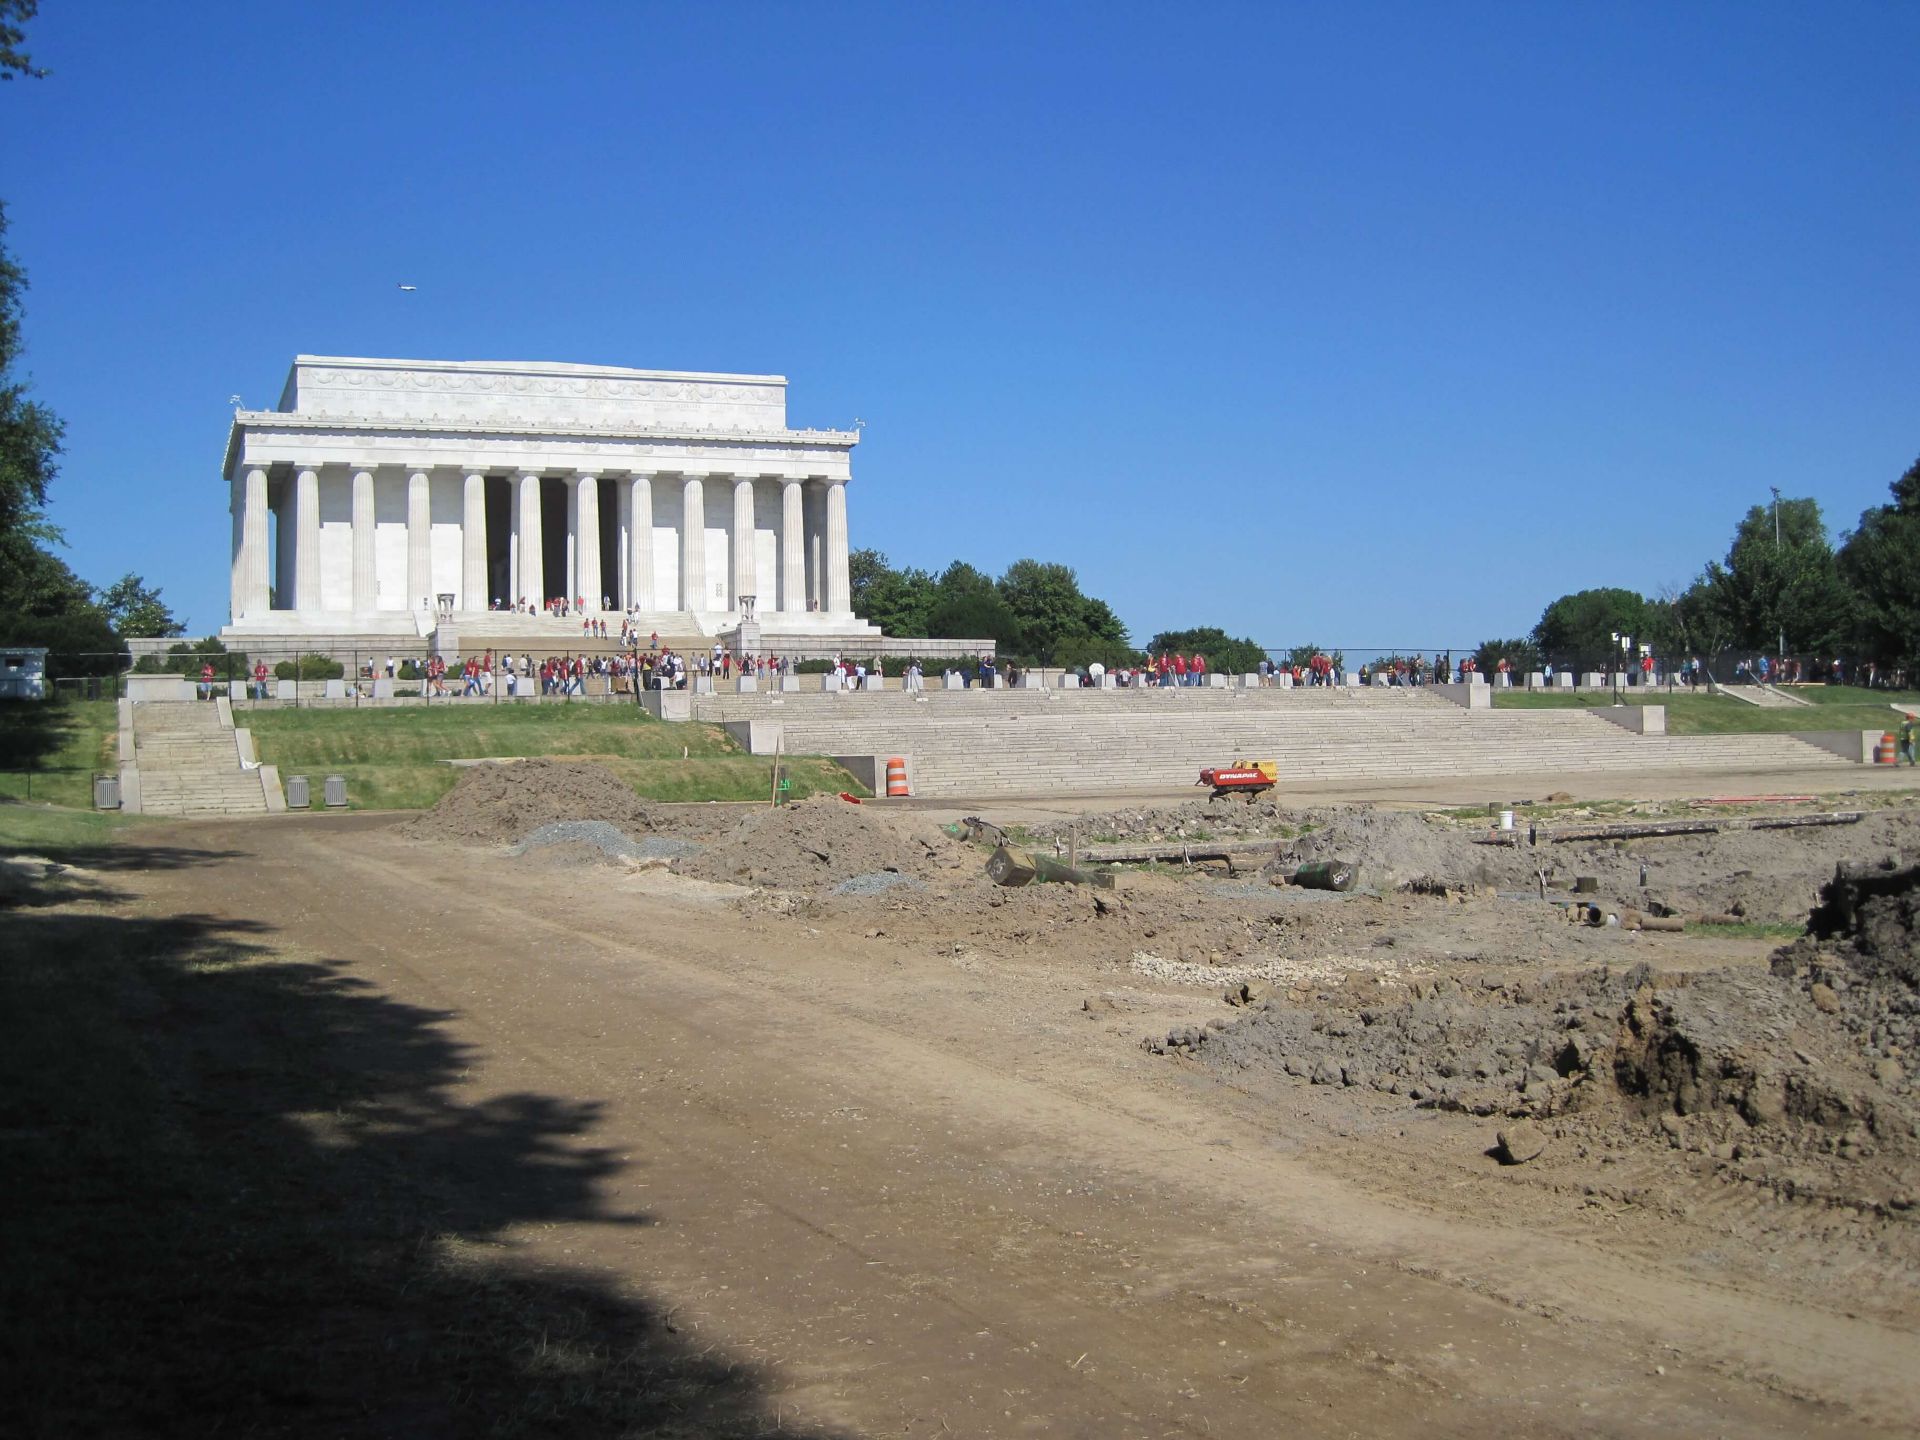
pixel 1001 742
pixel 543 636
pixel 189 763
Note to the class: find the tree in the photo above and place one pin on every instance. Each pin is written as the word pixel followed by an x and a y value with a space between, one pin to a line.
pixel 900 602
pixel 14 15
pixel 1226 654
pixel 29 433
pixel 1880 562
pixel 1576 631
pixel 864 566
pixel 1521 654
pixel 968 606
pixel 1301 656
pixel 1050 609
pixel 1780 583
pixel 136 611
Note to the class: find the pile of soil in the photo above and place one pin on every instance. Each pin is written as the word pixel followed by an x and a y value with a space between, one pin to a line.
pixel 1799 1078
pixel 1860 964
pixel 1397 847
pixel 499 804
pixel 821 842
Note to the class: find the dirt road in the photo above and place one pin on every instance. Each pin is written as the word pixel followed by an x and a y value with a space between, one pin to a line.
pixel 922 1190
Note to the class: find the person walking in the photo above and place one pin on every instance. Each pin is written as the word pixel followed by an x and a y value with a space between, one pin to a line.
pixel 1909 735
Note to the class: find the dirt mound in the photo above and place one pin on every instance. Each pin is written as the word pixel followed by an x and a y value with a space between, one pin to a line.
pixel 1798 1078
pixel 818 843
pixel 1860 964
pixel 1512 1048
pixel 1874 912
pixel 498 804
pixel 1394 847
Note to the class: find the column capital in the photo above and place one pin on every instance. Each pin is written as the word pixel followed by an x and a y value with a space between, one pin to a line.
pixel 688 476
pixel 586 475
pixel 524 474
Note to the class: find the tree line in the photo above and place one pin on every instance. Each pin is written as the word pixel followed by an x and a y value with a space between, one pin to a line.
pixel 1035 614
pixel 1783 589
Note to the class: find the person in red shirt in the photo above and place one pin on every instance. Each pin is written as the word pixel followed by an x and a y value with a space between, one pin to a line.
pixel 1197 669
pixel 1179 668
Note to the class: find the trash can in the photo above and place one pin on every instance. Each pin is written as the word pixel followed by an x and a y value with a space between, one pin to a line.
pixel 298 793
pixel 106 792
pixel 336 791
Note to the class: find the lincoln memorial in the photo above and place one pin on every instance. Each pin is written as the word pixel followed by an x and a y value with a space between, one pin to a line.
pixel 392 497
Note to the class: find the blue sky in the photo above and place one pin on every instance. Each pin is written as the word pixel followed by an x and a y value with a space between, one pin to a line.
pixel 1369 324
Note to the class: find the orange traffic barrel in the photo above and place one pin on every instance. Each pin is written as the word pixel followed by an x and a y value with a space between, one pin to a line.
pixel 1884 753
pixel 897 777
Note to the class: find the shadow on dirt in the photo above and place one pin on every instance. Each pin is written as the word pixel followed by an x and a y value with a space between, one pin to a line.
pixel 243 1197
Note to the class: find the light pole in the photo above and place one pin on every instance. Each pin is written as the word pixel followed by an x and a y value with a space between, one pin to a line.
pixel 1778 615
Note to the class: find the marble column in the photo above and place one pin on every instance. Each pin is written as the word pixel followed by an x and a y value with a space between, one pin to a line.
pixel 366 580
pixel 306 541
pixel 743 567
pixel 586 537
pixel 693 543
pixel 793 547
pixel 529 581
pixel 839 586
pixel 473 543
pixel 284 564
pixel 256 597
pixel 237 511
pixel 816 551
pixel 419 541
pixel 640 541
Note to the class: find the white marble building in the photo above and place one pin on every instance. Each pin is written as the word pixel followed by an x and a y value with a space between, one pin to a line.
pixel 378 488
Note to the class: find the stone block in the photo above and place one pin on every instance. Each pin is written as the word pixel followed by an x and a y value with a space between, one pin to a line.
pixel 286 689
pixel 336 689
pixel 1563 680
pixel 1216 681
pixel 829 683
pixel 667 704
pixel 382 688
pixel 703 684
pixel 746 684
pixel 790 683
pixel 952 681
pixel 158 689
pixel 1536 680
pixel 1593 680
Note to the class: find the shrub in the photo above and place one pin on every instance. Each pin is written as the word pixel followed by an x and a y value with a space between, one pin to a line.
pixel 310 667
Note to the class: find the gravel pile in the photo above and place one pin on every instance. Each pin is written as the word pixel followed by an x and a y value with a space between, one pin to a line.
pixel 877 883
pixel 605 838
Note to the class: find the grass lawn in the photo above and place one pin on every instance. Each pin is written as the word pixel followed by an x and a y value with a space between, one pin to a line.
pixel 59 834
pixel 392 758
pixel 1833 708
pixel 49 749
